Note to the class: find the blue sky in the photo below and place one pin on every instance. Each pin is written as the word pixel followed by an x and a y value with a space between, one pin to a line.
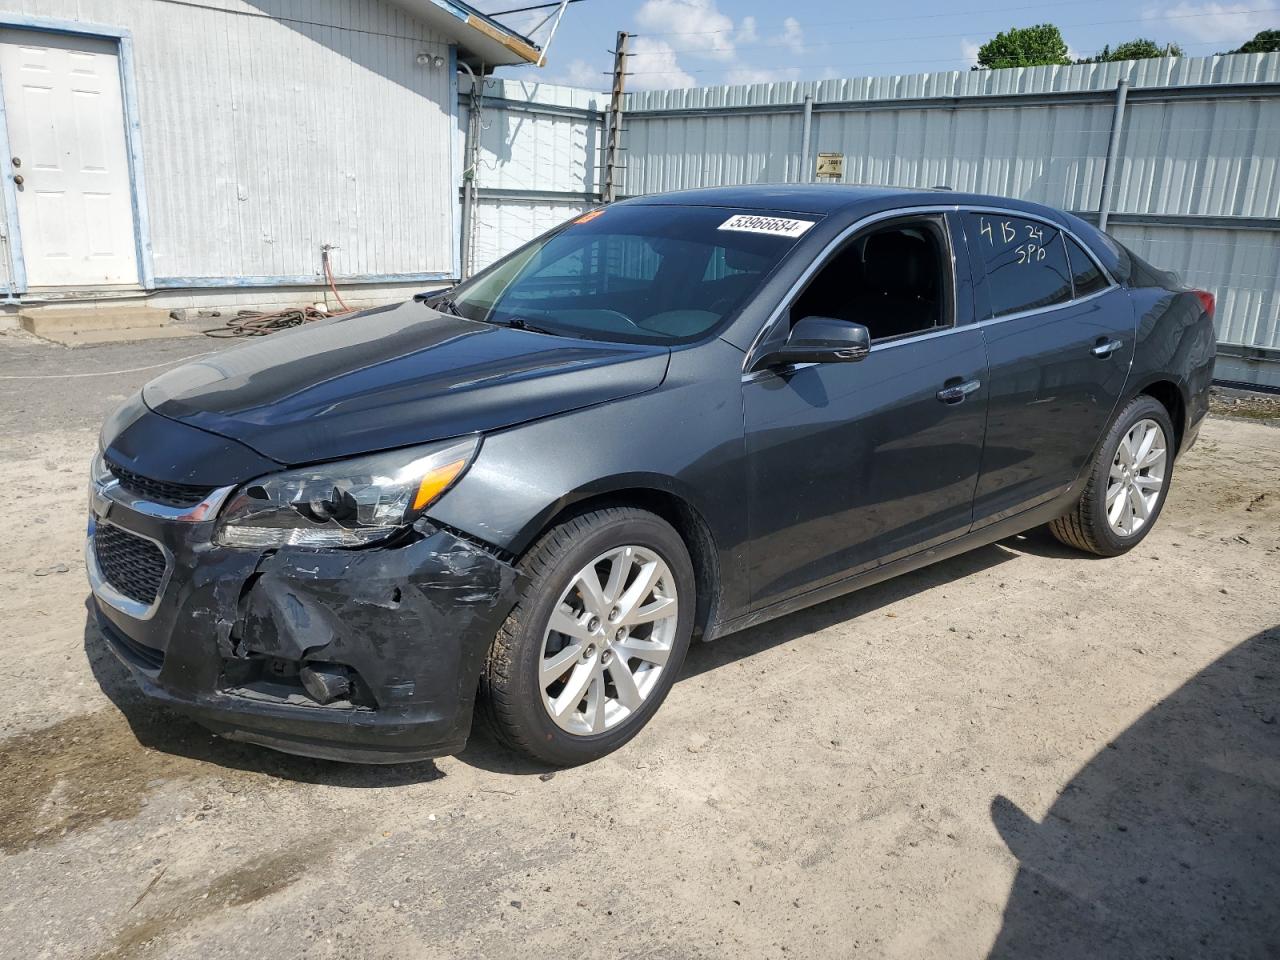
pixel 681 43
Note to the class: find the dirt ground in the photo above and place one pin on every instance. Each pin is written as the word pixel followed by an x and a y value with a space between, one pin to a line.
pixel 1246 405
pixel 1020 752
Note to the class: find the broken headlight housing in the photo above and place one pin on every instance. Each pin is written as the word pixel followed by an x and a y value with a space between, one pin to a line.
pixel 351 503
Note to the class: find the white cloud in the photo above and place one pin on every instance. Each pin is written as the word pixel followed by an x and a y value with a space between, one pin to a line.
pixel 698 25
pixel 579 73
pixel 653 66
pixel 1222 23
pixel 746 74
pixel 969 51
pixel 792 35
pixel 697 28
pixel 671 32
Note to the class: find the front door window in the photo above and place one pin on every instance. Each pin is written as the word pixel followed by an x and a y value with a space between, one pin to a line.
pixel 893 279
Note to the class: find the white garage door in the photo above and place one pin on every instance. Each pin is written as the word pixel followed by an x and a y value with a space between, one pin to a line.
pixel 65 118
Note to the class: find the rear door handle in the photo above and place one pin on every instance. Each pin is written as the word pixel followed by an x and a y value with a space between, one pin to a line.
pixel 1105 347
pixel 957 392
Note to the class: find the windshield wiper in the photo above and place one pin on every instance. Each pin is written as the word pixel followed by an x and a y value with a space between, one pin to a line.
pixel 446 305
pixel 520 323
pixel 449 305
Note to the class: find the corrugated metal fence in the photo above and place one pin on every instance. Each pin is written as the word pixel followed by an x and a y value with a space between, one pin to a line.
pixel 1195 177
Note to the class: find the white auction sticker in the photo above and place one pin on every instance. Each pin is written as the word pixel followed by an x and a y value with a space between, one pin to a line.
pixel 775 226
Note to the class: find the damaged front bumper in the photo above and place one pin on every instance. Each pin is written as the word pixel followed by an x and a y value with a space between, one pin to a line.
pixel 227 636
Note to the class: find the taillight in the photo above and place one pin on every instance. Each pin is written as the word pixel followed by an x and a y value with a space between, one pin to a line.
pixel 1206 301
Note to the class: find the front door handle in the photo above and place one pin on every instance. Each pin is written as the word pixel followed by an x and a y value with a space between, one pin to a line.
pixel 1105 347
pixel 957 392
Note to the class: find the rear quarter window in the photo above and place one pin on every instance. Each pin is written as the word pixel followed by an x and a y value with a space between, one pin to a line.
pixel 1086 277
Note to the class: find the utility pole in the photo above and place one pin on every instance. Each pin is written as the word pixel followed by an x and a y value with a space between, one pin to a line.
pixel 613 138
pixel 471 160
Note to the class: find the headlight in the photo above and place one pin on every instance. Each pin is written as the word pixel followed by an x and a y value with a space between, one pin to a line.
pixel 346 504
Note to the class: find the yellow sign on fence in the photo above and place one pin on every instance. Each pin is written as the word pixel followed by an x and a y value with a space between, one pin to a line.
pixel 831 165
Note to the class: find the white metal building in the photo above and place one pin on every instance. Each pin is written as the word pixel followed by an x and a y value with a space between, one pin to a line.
pixel 195 152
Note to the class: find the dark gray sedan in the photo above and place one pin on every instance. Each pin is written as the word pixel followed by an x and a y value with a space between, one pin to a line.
pixel 674 417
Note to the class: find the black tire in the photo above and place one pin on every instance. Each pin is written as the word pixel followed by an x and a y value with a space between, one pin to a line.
pixel 1085 526
pixel 510 695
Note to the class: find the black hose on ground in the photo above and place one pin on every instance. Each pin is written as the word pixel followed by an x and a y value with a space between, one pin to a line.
pixel 251 323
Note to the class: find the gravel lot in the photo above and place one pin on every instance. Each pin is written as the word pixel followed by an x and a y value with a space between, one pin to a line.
pixel 1020 752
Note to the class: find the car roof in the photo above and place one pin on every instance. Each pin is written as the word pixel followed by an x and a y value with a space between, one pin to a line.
pixel 824 199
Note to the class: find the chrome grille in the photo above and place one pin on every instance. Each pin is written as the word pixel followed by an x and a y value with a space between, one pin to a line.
pixel 159 491
pixel 133 565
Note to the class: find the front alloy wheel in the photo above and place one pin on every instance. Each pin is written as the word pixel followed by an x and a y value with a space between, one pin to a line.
pixel 609 640
pixel 596 637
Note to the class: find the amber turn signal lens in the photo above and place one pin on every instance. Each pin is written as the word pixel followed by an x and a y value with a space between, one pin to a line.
pixel 436 482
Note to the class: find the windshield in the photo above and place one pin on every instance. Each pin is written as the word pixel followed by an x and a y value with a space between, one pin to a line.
pixel 638 274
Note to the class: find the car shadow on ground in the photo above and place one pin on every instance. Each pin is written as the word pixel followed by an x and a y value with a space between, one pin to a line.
pixel 158 728
pixel 1041 543
pixel 737 646
pixel 485 752
pixel 1167 843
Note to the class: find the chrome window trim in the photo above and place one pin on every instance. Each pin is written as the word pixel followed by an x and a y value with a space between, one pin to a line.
pixel 1049 309
pixel 108 594
pixel 755 375
pixel 917 337
pixel 820 260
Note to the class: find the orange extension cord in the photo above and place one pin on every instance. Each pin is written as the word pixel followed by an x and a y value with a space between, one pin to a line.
pixel 328 272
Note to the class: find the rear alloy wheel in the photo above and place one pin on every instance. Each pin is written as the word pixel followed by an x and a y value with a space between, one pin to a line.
pixel 1135 481
pixel 1126 485
pixel 596 639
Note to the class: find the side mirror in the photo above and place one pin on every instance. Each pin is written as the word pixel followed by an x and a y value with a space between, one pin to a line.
pixel 819 340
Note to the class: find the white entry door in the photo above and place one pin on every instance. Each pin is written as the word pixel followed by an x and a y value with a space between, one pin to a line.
pixel 65 117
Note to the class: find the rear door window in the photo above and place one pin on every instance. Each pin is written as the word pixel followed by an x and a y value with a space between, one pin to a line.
pixel 1025 260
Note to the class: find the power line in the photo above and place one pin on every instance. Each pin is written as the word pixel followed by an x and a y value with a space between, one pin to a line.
pixel 830 67
pixel 536 6
pixel 862 20
pixel 969 33
pixel 255 15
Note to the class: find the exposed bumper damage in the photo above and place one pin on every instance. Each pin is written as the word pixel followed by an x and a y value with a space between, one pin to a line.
pixel 368 656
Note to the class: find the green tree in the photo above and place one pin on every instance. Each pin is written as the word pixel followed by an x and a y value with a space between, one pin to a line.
pixel 1038 46
pixel 1139 49
pixel 1266 41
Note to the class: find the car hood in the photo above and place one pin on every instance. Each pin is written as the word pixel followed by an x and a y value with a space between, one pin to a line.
pixel 393 377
